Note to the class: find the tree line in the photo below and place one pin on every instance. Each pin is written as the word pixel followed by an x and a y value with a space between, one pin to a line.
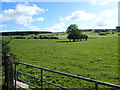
pixel 36 37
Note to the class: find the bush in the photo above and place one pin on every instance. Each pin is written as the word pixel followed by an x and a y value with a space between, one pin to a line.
pixel 5 49
pixel 113 32
pixel 101 33
pixel 19 37
pixel 5 52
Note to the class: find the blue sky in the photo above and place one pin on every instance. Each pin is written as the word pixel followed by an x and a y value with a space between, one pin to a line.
pixel 57 16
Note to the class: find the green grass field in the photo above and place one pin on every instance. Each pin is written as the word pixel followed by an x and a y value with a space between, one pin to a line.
pixel 96 58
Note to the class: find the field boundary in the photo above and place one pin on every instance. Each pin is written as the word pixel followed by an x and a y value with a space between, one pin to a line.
pixel 41 80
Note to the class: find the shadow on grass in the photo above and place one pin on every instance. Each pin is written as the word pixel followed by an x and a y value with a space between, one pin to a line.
pixel 63 41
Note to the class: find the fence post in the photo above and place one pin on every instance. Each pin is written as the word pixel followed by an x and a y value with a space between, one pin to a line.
pixel 15 75
pixel 9 84
pixel 96 86
pixel 41 79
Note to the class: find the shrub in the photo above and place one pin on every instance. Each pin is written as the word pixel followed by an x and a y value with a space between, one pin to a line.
pixel 5 49
pixel 102 33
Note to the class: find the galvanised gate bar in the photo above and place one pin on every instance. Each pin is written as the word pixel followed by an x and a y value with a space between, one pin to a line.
pixel 42 80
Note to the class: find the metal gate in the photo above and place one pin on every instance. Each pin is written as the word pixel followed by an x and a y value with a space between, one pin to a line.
pixel 41 79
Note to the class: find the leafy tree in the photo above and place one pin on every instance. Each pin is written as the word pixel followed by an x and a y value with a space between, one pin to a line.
pixel 73 32
pixel 5 52
pixel 71 28
pixel 83 37
pixel 5 49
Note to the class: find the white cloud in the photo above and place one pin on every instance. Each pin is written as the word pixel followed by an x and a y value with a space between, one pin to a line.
pixel 3 26
pixel 105 24
pixel 102 2
pixel 24 20
pixel 18 0
pixel 54 30
pixel 93 1
pixel 80 15
pixel 101 23
pixel 23 14
pixel 39 19
pixel 61 19
pixel 9 12
pixel 34 28
pixel 29 10
pixel 102 19
pixel 59 25
pixel 109 13
pixel 6 0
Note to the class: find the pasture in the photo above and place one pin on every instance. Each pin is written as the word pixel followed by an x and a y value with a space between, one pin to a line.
pixel 96 58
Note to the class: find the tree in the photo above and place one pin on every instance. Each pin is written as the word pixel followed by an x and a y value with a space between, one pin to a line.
pixel 71 28
pixel 5 49
pixel 73 32
pixel 7 65
pixel 83 37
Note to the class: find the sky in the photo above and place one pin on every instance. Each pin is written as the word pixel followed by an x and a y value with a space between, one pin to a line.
pixel 57 16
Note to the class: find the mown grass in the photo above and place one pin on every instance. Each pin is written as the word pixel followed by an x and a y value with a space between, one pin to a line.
pixel 96 58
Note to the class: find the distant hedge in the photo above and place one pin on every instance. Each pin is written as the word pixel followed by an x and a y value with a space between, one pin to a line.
pixel 36 37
